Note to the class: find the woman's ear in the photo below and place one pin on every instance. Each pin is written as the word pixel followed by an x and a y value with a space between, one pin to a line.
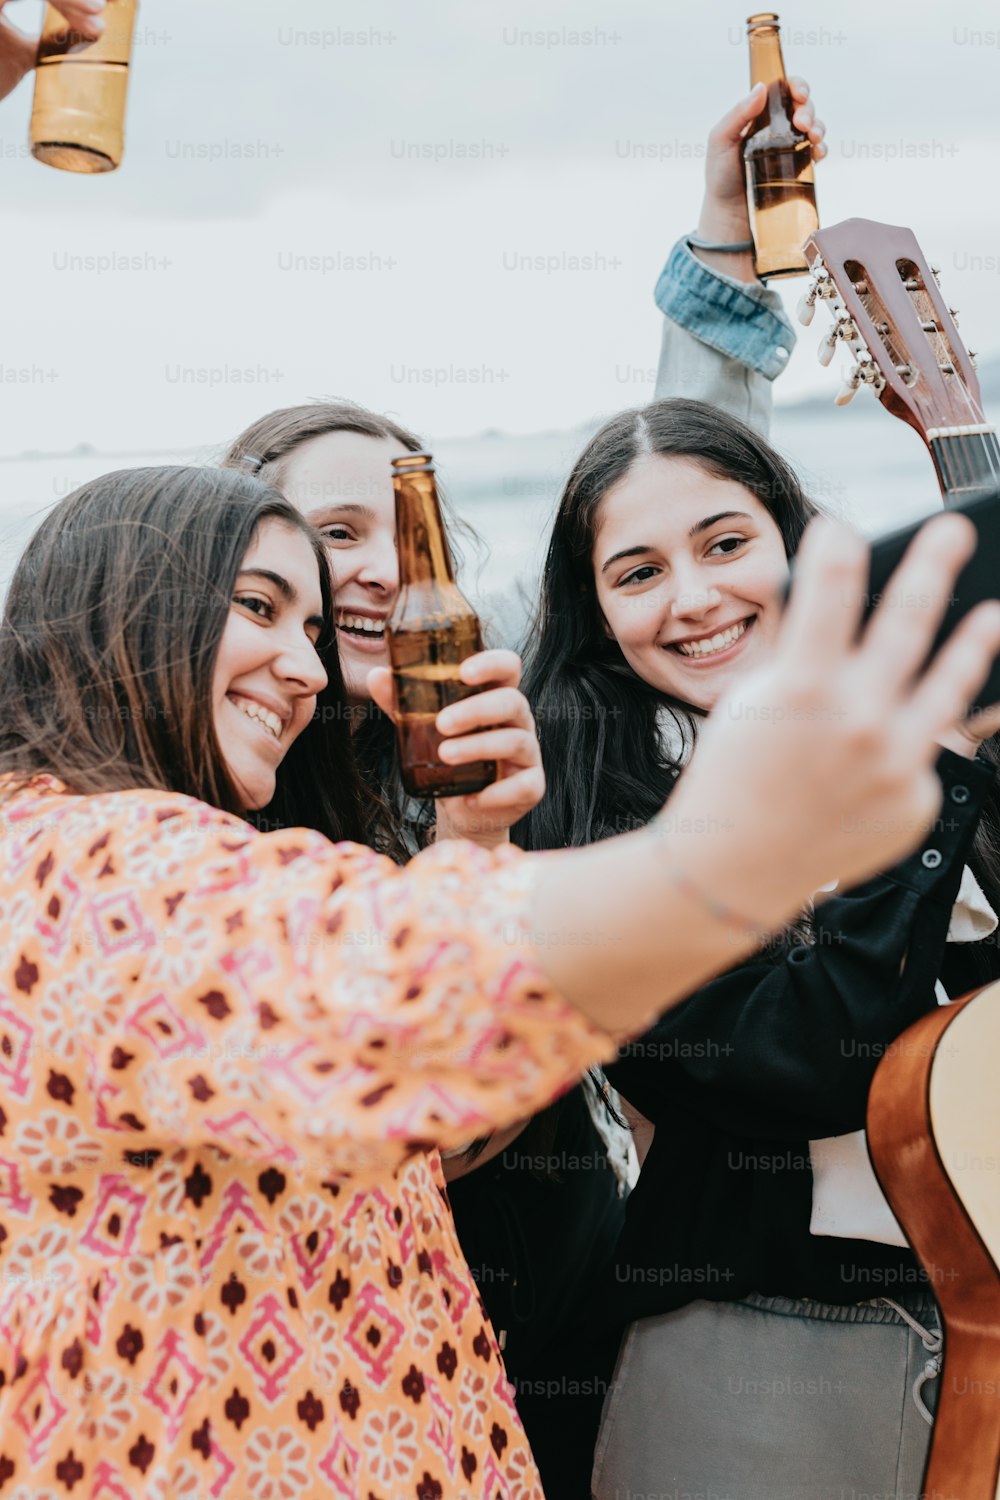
pixel 605 626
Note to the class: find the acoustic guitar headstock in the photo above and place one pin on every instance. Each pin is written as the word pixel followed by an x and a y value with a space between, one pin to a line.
pixel 889 311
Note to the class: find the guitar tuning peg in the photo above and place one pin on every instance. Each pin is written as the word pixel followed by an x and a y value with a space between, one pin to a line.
pixel 806 308
pixel 849 389
pixel 973 358
pixel 954 315
pixel 936 273
pixel 825 351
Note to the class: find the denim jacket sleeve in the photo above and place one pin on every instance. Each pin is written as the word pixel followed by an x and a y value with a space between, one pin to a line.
pixel 724 341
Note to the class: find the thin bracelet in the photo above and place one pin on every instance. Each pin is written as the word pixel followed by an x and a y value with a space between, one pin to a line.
pixel 735 248
pixel 716 908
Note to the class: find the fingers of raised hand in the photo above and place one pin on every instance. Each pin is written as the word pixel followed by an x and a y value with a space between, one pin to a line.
pixel 983 724
pixel 494 707
pixel 831 573
pixel 512 747
pixel 497 665
pixel 729 130
pixel 83 16
pixel 957 672
pixel 914 601
pixel 379 682
pixel 509 799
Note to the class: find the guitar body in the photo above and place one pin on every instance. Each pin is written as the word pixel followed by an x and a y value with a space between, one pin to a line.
pixel 934 1140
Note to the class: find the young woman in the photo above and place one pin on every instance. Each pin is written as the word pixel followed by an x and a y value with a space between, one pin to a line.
pixel 538 1207
pixel 666 560
pixel 229 1050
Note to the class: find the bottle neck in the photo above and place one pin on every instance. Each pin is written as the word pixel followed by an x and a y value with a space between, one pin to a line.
pixel 423 546
pixel 766 63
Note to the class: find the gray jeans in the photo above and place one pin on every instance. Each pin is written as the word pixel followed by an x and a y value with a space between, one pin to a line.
pixel 770 1399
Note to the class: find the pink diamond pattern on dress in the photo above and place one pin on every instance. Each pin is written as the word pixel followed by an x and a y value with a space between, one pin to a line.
pixel 256 960
pixel 409 1121
pixel 11 1192
pixel 174 1382
pixel 118 925
pixel 236 1216
pixel 461 1292
pixel 39 1413
pixel 270 1349
pixel 115 1200
pixel 97 1308
pixel 107 1484
pixel 15 1052
pixel 168 1030
pixel 374 1333
pixel 224 1469
pixel 503 1389
pixel 242 1132
pixel 441 1433
pixel 292 1066
pixel 57 934
pixel 311 1266
pixel 339 1464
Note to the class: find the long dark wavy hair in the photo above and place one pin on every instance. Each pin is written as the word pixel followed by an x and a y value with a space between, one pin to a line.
pixel 394 824
pixel 608 765
pixel 109 640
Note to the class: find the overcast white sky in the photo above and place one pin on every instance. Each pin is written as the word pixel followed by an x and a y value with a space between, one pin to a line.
pixel 284 242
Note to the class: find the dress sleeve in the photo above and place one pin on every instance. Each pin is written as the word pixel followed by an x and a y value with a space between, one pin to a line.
pixel 279 988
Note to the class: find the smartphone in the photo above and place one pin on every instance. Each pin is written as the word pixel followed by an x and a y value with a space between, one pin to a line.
pixel 978 580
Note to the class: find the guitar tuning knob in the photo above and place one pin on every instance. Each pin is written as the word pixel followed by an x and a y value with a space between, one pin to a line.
pixel 806 308
pixel 954 315
pixel 825 351
pixel 936 273
pixel 849 389
pixel 973 358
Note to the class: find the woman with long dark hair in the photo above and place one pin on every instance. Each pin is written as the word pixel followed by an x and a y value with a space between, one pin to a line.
pixel 230 1047
pixel 667 557
pixel 540 1205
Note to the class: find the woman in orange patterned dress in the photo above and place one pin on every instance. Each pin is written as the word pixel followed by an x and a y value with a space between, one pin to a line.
pixel 231 1043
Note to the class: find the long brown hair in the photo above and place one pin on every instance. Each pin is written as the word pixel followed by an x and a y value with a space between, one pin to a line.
pixel 109 640
pixel 396 826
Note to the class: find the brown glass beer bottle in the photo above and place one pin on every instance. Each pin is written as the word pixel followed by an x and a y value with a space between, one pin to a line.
pixel 781 194
pixel 430 632
pixel 78 119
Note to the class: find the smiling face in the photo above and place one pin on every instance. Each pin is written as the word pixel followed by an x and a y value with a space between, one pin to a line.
pixel 268 673
pixel 688 570
pixel 341 483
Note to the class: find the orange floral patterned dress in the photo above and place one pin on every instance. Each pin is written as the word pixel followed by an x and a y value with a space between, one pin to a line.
pixel 227 1265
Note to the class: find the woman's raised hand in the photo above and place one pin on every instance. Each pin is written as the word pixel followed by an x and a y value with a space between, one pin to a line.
pixel 494 724
pixel 18 52
pixel 838 733
pixel 817 766
pixel 724 218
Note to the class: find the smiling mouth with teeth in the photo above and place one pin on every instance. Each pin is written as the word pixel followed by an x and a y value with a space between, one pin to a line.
pixel 253 710
pixel 363 625
pixel 712 645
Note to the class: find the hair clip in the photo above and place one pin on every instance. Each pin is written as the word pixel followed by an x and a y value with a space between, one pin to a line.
pixel 253 463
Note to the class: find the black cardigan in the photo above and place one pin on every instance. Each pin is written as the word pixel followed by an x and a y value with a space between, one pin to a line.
pixel 771 1055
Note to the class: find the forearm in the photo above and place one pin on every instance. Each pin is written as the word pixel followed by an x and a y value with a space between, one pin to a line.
pixel 724 341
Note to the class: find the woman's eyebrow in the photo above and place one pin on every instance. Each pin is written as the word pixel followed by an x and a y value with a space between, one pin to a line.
pixel 339 507
pixel 284 588
pixel 627 552
pixel 723 515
